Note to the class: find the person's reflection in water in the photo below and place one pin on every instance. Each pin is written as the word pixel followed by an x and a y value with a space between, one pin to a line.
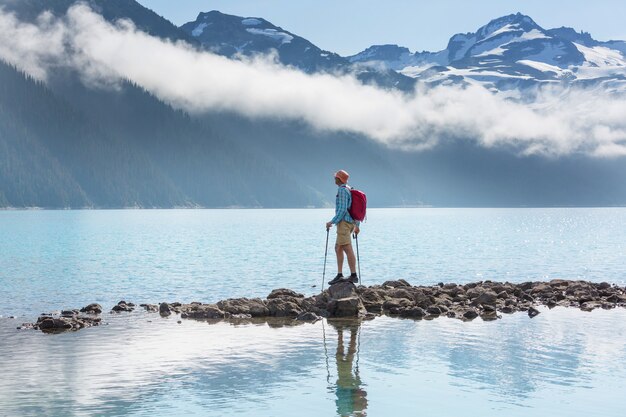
pixel 351 398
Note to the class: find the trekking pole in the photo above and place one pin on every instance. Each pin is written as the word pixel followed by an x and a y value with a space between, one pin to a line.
pixel 358 260
pixel 325 255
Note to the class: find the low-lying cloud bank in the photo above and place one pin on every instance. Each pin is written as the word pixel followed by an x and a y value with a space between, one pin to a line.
pixel 555 123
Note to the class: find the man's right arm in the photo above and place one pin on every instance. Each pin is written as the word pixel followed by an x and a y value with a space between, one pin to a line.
pixel 342 206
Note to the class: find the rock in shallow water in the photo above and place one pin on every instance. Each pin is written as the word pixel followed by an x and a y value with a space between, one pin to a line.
pixel 533 312
pixel 123 306
pixel 92 309
pixel 53 324
pixel 164 310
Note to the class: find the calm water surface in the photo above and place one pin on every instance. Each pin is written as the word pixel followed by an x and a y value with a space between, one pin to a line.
pixel 561 363
pixel 58 259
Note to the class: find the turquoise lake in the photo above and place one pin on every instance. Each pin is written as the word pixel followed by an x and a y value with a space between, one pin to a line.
pixel 563 362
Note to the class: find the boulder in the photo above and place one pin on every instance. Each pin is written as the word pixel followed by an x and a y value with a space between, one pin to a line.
pixel 346 307
pixel 412 312
pixel 315 304
pixel 399 293
pixel 254 306
pixel 470 314
pixel 541 288
pixel 92 309
pixel 123 306
pixel 434 310
pixel 49 324
pixel 283 307
pixel 503 295
pixel 202 311
pixel 284 292
pixel 342 289
pixel 396 305
pixel 487 297
pixel 372 300
pixel 164 310
pixel 422 299
pixel 560 283
pixel 533 312
pixel 396 284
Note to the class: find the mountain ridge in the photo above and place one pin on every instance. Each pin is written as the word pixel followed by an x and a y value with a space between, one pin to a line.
pixel 510 52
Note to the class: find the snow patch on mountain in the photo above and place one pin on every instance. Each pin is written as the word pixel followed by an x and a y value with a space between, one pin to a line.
pixel 199 29
pixel 602 56
pixel 282 37
pixel 543 67
pixel 251 22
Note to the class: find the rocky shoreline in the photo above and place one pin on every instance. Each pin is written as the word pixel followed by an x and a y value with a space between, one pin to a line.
pixel 484 299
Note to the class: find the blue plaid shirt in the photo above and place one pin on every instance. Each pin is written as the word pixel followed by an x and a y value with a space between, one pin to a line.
pixel 343 203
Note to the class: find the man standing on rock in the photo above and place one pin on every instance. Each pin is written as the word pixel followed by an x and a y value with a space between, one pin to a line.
pixel 345 227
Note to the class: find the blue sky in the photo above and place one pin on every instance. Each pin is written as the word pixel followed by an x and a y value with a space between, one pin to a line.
pixel 349 26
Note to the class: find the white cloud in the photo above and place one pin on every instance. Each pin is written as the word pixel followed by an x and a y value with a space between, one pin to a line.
pixel 555 123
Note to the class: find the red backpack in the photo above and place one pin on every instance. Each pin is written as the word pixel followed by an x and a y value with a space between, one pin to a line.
pixel 358 207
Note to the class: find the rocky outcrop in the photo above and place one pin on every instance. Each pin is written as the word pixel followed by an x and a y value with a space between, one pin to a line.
pixel 486 299
pixel 68 320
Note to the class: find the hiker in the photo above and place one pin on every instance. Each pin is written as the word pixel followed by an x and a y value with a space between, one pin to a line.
pixel 346 225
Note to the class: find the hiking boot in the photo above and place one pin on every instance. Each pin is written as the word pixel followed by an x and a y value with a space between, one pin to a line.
pixel 337 279
pixel 353 278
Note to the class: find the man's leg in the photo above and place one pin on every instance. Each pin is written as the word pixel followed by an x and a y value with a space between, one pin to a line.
pixel 339 253
pixel 351 258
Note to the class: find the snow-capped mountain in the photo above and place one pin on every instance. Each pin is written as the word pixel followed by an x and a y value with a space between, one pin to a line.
pixel 508 53
pixel 231 35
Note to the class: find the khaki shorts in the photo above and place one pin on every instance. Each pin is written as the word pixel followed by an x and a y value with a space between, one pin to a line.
pixel 344 232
